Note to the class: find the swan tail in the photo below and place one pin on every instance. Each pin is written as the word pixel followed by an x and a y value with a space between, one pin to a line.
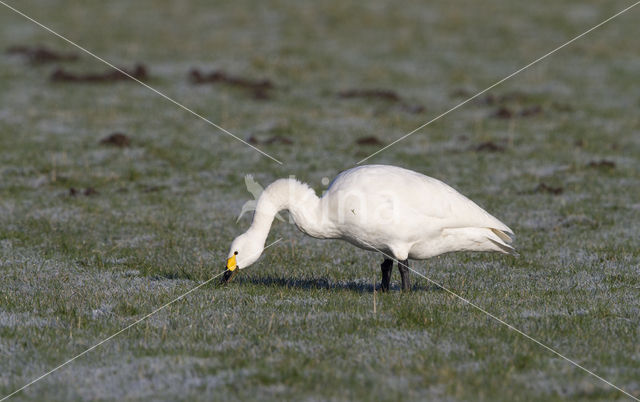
pixel 479 239
pixel 502 240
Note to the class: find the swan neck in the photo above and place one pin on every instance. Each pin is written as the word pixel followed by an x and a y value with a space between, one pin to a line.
pixel 286 194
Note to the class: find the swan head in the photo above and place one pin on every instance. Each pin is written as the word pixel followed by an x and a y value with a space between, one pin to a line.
pixel 244 251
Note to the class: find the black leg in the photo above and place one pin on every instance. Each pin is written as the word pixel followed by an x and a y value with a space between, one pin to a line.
pixel 403 267
pixel 387 267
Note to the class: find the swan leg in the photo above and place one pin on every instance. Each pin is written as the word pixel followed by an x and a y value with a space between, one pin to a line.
pixel 387 267
pixel 403 267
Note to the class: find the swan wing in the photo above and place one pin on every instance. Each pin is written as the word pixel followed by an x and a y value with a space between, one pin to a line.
pixel 418 201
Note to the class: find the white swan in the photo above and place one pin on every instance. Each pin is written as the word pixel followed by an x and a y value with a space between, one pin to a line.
pixel 399 212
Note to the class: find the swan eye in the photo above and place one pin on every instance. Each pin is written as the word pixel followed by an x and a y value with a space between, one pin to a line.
pixel 235 253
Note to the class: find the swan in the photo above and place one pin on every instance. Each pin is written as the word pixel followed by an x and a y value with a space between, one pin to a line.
pixel 399 212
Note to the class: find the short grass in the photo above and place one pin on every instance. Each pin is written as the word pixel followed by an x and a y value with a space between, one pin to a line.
pixel 304 323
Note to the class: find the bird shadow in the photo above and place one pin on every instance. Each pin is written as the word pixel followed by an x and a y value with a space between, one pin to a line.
pixel 325 284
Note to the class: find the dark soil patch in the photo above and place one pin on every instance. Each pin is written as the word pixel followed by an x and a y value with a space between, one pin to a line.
pixel 494 99
pixel 385 94
pixel 382 94
pixel 152 189
pixel 505 108
pixel 89 191
pixel 260 89
pixel 276 139
pixel 40 54
pixel 489 146
pixel 117 140
pixel 602 164
pixel 503 112
pixel 371 140
pixel 545 188
pixel 139 72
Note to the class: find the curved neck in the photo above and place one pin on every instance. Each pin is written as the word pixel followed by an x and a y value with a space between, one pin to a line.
pixel 298 198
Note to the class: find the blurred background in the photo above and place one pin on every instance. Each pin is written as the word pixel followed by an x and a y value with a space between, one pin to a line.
pixel 113 200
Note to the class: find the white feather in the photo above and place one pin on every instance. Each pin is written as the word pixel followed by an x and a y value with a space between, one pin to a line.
pixel 377 207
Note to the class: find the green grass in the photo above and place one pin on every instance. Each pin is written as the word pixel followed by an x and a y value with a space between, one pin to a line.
pixel 301 323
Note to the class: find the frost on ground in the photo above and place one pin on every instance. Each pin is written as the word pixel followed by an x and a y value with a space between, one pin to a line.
pixel 93 237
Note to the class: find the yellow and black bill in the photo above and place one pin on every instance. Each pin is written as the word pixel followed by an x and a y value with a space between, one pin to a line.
pixel 231 263
pixel 232 270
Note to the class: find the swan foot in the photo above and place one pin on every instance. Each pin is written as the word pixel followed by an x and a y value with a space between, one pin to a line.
pixel 387 267
pixel 403 267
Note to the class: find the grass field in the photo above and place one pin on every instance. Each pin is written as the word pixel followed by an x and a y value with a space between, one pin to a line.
pixel 553 152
